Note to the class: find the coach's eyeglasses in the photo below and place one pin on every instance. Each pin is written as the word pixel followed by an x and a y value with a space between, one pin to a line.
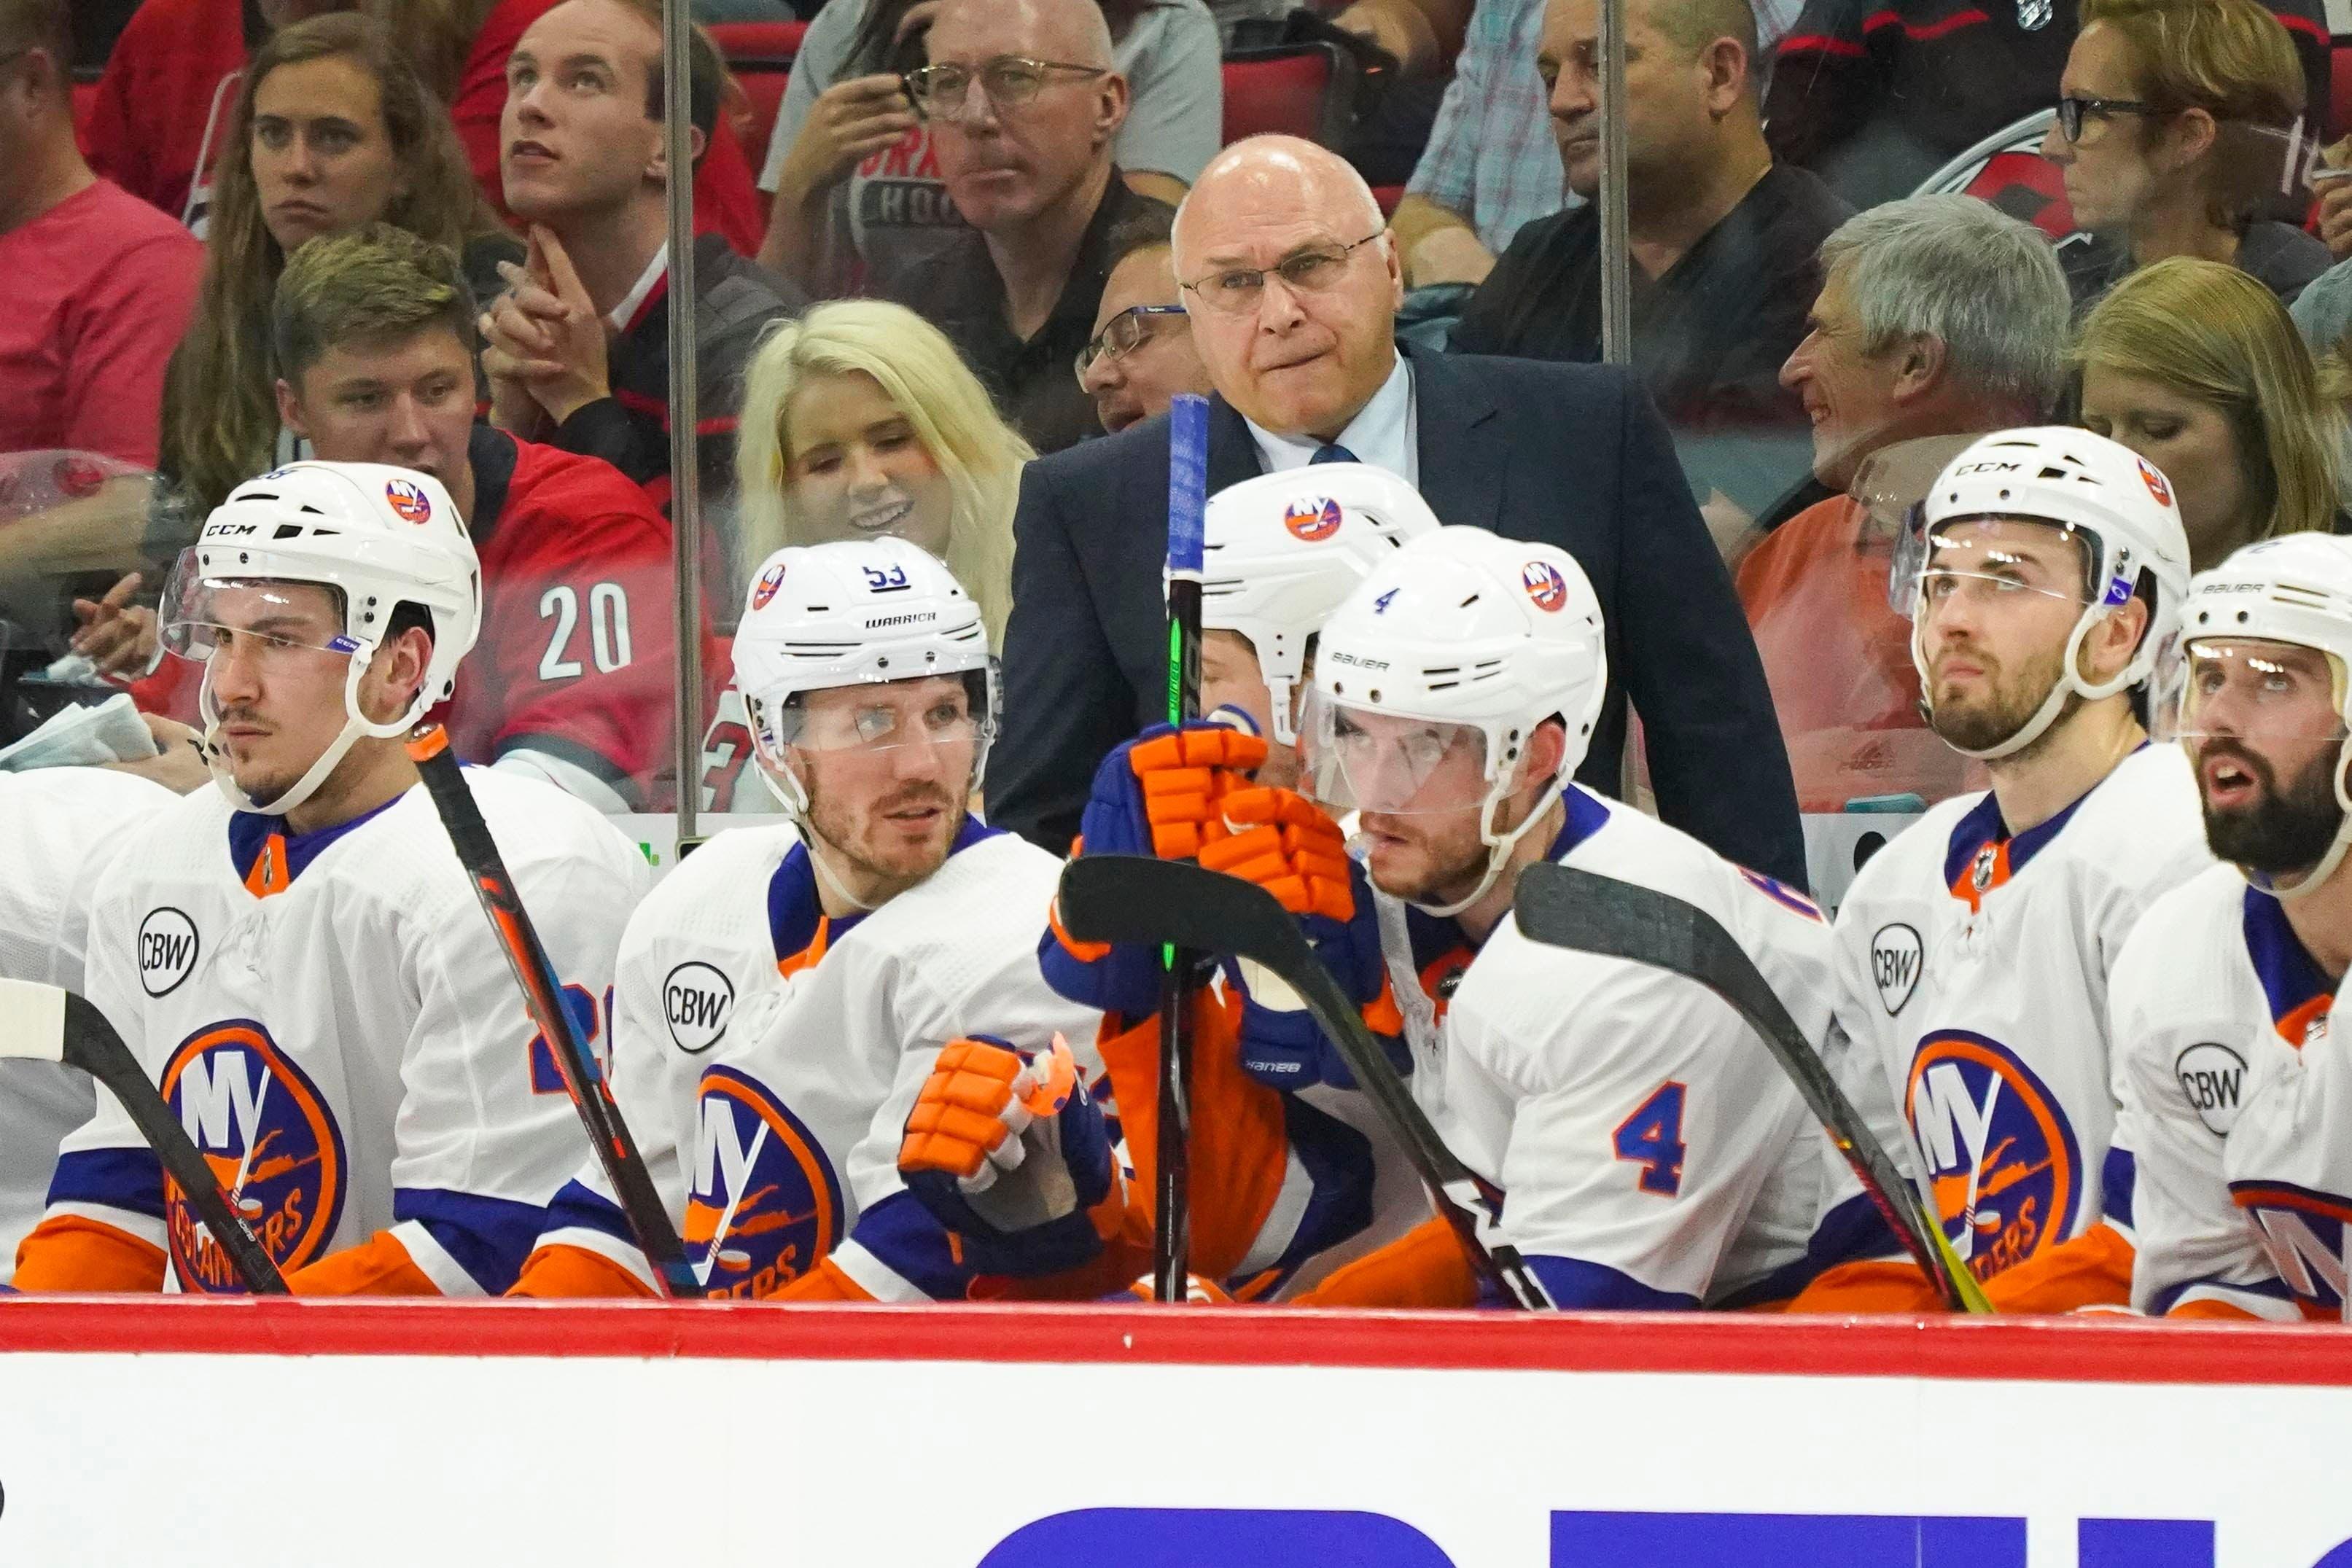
pixel 1008 79
pixel 2071 112
pixel 1122 334
pixel 1237 290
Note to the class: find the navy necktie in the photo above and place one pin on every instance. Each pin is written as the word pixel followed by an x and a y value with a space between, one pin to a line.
pixel 1332 452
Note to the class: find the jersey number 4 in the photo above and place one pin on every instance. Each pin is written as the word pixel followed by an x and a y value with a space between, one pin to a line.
pixel 608 630
pixel 1652 1138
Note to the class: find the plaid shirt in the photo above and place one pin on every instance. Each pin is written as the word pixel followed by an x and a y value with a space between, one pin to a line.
pixel 1490 156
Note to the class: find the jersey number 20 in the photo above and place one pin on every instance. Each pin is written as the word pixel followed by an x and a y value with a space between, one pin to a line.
pixel 608 630
pixel 1652 1138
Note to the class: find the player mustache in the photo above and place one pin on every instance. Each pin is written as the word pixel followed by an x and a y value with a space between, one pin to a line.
pixel 917 795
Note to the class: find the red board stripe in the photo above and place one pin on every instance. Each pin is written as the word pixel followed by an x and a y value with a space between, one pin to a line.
pixel 2083 1350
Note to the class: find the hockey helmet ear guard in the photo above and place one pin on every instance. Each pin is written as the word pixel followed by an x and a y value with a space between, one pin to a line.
pixel 375 537
pixel 1459 632
pixel 2112 502
pixel 858 612
pixel 2235 675
pixel 1281 552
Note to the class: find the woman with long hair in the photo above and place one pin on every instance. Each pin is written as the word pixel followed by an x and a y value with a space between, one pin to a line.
pixel 2196 366
pixel 332 128
pixel 859 419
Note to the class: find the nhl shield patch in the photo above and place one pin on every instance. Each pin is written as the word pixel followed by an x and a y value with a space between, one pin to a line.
pixel 1896 960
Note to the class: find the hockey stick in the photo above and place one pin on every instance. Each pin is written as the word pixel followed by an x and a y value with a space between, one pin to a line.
pixel 1135 898
pixel 1563 906
pixel 48 1023
pixel 1188 480
pixel 543 995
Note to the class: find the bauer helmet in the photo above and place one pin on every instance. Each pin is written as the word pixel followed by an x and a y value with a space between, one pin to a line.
pixel 1282 550
pixel 2098 492
pixel 852 612
pixel 1484 639
pixel 378 536
pixel 2298 590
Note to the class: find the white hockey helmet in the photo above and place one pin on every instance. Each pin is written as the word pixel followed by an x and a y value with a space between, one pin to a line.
pixel 1282 551
pixel 2095 490
pixel 1483 639
pixel 379 537
pixel 852 612
pixel 2296 589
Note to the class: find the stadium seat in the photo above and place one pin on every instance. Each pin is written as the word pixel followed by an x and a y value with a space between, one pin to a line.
pixel 760 54
pixel 1388 196
pixel 2339 95
pixel 1295 89
pixel 85 95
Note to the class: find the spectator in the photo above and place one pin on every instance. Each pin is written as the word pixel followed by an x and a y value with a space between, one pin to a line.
pixel 100 284
pixel 1141 354
pixel 856 172
pixel 2198 368
pixel 1025 106
pixel 570 678
pixel 1875 96
pixel 468 43
pixel 578 353
pixel 1294 283
pixel 1938 316
pixel 329 130
pixel 2174 127
pixel 859 419
pixel 1488 170
pixel 1723 240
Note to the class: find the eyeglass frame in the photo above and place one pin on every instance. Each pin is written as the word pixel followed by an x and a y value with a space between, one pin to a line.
pixel 976 74
pixel 1344 254
pixel 2070 109
pixel 1098 347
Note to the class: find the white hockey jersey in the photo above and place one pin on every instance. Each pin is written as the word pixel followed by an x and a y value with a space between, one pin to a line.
pixel 1651 1151
pixel 339 1031
pixel 1973 984
pixel 62 826
pixel 766 1056
pixel 2237 1103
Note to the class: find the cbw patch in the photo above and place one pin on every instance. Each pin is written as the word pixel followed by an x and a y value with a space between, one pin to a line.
pixel 697 999
pixel 1897 959
pixel 168 946
pixel 2213 1080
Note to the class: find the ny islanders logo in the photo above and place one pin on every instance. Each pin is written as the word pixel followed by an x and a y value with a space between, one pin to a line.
pixel 765 589
pixel 2304 1233
pixel 2007 1174
pixel 2155 482
pixel 407 500
pixel 1543 585
pixel 1312 517
pixel 766 1206
pixel 268 1136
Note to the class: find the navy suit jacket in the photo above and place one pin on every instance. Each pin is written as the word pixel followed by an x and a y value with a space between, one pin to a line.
pixel 1574 456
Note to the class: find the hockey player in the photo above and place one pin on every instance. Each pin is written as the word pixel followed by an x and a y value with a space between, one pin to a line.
pixel 298 957
pixel 2234 1101
pixel 1653 1154
pixel 63 826
pixel 784 993
pixel 1974 952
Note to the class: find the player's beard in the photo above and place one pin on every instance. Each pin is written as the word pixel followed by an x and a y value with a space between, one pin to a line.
pixel 2284 830
pixel 861 837
pixel 1443 858
pixel 2007 705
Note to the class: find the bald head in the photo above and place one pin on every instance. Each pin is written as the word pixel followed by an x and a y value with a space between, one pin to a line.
pixel 1070 31
pixel 1260 174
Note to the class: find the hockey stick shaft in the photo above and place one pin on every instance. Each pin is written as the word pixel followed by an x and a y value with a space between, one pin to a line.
pixel 543 993
pixel 1135 898
pixel 1563 906
pixel 46 1023
pixel 1188 476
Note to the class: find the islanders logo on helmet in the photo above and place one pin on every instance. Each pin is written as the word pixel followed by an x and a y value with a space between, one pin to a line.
pixel 764 591
pixel 1312 517
pixel 271 1141
pixel 2007 1174
pixel 765 1207
pixel 1543 585
pixel 2156 486
pixel 408 501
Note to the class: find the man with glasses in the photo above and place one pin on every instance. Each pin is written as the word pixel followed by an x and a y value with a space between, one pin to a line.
pixel 1291 285
pixel 1141 354
pixel 1022 104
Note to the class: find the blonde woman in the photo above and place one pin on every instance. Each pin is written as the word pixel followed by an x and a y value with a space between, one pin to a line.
pixel 2197 367
pixel 859 419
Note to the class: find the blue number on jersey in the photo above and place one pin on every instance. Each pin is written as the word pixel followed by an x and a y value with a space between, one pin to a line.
pixel 1652 1138
pixel 546 1078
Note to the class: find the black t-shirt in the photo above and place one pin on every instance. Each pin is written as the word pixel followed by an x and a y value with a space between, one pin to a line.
pixel 2280 256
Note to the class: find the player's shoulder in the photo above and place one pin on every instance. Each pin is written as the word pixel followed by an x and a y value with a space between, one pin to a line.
pixel 1634 846
pixel 2186 935
pixel 528 814
pixel 962 927
pixel 46 801
pixel 2144 808
pixel 731 866
pixel 185 831
pixel 567 860
pixel 1911 864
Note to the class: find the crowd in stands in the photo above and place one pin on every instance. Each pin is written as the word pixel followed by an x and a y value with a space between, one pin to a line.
pixel 948 291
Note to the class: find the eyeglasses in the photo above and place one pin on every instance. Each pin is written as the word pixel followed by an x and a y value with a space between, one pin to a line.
pixel 1122 334
pixel 1008 79
pixel 2071 112
pixel 1237 290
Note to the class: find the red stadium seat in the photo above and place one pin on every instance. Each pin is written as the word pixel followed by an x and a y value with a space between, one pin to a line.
pixel 2339 74
pixel 85 95
pixel 1388 196
pixel 760 54
pixel 1295 89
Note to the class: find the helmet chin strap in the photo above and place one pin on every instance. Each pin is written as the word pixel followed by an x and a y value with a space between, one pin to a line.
pixel 793 796
pixel 1498 847
pixel 355 725
pixel 2316 877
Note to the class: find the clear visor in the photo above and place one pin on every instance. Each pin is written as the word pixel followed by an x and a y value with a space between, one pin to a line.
pixel 1359 760
pixel 2248 690
pixel 274 620
pixel 1977 562
pixel 884 716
